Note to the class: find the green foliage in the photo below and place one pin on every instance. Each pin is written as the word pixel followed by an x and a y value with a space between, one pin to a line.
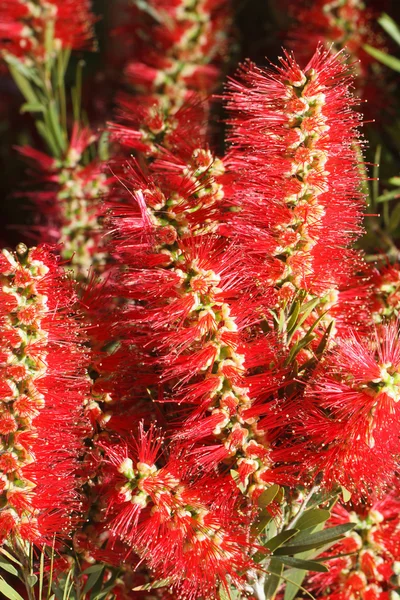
pixel 291 551
pixel 386 59
pixel 390 26
pixel 8 591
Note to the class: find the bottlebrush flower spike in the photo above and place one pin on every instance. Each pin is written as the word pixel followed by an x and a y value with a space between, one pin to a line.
pixel 292 134
pixel 68 196
pixel 178 50
pixel 43 387
pixel 350 411
pixel 190 289
pixel 182 530
pixel 23 26
pixel 339 24
pixel 371 568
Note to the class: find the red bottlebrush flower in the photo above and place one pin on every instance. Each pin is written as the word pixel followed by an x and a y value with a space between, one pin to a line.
pixel 350 411
pixel 301 124
pixel 337 24
pixel 185 533
pixel 193 305
pixel 69 200
pixel 23 26
pixel 370 571
pixel 350 25
pixel 173 65
pixel 43 390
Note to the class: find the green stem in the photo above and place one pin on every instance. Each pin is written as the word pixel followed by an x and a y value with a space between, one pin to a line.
pixel 26 568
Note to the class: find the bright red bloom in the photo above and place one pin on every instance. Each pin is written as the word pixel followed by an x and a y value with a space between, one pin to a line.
pixel 68 200
pixel 185 331
pixel 347 25
pixel 43 388
pixel 183 531
pixel 173 66
pixel 23 26
pixel 293 132
pixel 338 24
pixel 350 412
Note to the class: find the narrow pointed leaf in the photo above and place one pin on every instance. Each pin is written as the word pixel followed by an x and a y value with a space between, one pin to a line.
pixel 308 541
pixel 280 539
pixel 273 581
pixel 386 59
pixel 312 517
pixel 308 565
pixel 5 565
pixel 93 577
pixel 390 27
pixel 268 496
pixel 8 591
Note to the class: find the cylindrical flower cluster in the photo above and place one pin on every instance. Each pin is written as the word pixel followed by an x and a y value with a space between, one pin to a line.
pixel 350 410
pixel 173 79
pixel 24 26
pixel 43 388
pixel 190 536
pixel 338 25
pixel 292 135
pixel 69 195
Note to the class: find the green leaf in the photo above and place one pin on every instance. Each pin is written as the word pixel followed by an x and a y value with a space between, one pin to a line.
pixel 92 579
pixel 93 569
pixel 103 146
pixel 346 495
pixel 392 195
pixel 272 584
pixel 41 573
pixel 32 579
pixel 10 557
pixel 32 107
pixel 309 541
pixel 53 122
pixel 25 71
pixel 153 585
pixel 104 592
pixel 386 59
pixel 280 539
pixel 390 27
pixel 394 218
pixel 296 577
pixel 312 517
pixel 305 311
pixel 4 564
pixel 8 591
pixel 308 565
pixel 324 340
pixel 68 586
pixel 293 316
pixel 268 495
pixel 395 181
pixel 40 126
pixel 23 85
pixel 264 517
pixel 224 594
pixel 261 523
